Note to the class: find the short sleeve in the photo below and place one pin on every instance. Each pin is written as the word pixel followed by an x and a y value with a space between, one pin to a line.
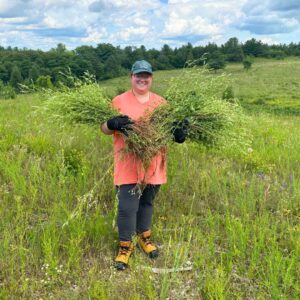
pixel 163 101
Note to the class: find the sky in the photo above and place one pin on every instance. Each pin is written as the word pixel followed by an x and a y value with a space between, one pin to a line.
pixel 42 24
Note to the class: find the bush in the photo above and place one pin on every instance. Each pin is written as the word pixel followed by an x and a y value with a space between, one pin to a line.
pixel 7 91
pixel 216 61
pixel 247 63
pixel 277 54
pixel 217 64
pixel 74 161
pixel 44 82
pixel 228 94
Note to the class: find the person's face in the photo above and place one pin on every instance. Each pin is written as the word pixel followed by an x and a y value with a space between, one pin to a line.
pixel 141 82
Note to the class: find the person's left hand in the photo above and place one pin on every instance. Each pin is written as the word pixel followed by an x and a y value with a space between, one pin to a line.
pixel 180 131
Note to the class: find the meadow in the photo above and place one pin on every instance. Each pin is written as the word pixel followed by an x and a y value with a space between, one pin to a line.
pixel 227 223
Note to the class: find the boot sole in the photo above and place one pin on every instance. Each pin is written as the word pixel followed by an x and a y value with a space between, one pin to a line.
pixel 120 266
pixel 153 254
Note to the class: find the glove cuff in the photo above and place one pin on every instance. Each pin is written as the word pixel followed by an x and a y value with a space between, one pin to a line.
pixel 111 124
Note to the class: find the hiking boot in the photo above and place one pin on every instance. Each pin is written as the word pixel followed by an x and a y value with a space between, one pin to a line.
pixel 147 245
pixel 125 250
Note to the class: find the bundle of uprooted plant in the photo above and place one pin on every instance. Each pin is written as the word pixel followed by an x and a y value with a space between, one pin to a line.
pixel 86 103
pixel 194 97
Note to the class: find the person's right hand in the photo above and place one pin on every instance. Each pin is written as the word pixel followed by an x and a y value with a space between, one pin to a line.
pixel 120 123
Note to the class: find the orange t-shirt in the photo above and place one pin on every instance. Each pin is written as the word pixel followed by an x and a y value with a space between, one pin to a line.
pixel 128 168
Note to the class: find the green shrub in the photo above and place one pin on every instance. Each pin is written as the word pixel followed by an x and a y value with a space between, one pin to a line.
pixel 228 94
pixel 247 63
pixel 74 161
pixel 216 61
pixel 7 91
pixel 44 82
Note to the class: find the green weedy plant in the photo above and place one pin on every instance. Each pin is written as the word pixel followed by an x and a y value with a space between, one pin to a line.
pixel 6 91
pixel 228 94
pixel 210 117
pixel 247 63
pixel 86 103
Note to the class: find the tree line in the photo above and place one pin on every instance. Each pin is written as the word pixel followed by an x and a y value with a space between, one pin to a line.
pixel 46 68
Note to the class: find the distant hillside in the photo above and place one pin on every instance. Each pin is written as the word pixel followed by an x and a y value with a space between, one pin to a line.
pixel 106 61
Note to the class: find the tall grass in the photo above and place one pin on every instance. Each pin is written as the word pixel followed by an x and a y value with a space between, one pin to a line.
pixel 233 217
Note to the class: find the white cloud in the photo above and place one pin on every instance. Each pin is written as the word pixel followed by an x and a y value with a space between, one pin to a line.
pixel 51 22
pixel 133 32
pixel 14 20
pixel 140 20
pixel 95 35
pixel 266 17
pixel 206 18
pixel 44 23
pixel 176 25
pixel 269 41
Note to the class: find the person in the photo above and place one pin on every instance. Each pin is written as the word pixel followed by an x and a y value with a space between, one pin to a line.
pixel 135 209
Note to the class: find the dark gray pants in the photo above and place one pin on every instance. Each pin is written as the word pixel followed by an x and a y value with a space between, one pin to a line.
pixel 135 209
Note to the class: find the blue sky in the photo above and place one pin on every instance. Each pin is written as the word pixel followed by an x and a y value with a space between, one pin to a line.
pixel 42 24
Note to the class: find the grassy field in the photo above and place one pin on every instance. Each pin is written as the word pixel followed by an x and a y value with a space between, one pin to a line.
pixel 234 218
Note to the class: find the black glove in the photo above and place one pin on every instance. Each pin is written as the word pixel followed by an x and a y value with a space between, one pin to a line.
pixel 120 123
pixel 180 131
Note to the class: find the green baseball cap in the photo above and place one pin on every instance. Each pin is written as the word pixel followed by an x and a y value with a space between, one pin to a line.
pixel 141 66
